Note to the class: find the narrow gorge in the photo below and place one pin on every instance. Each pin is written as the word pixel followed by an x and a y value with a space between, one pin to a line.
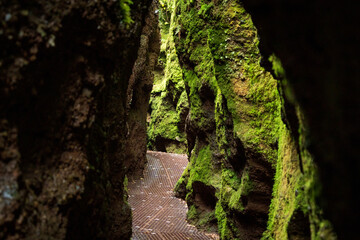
pixel 261 98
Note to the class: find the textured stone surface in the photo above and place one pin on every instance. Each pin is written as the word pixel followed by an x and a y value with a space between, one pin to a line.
pixel 138 93
pixel 243 128
pixel 65 69
pixel 233 119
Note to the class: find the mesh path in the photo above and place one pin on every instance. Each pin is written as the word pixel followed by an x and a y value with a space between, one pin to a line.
pixel 157 214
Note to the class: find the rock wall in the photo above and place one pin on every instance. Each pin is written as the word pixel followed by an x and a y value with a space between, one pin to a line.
pixel 138 94
pixel 234 118
pixel 169 104
pixel 65 73
pixel 250 174
pixel 267 155
pixel 316 43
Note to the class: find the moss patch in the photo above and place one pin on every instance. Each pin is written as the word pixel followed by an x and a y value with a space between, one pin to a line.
pixel 168 103
pixel 295 191
pixel 230 97
pixel 236 136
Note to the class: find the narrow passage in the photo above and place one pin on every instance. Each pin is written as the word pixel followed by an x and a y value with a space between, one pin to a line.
pixel 157 213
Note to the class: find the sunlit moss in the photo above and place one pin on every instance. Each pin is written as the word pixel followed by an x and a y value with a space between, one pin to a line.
pixel 168 98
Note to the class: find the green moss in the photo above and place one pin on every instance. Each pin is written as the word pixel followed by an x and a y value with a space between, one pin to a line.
pixel 223 225
pixel 202 170
pixel 192 213
pixel 197 111
pixel 287 181
pixel 168 100
pixel 244 189
pixel 183 103
pixel 176 148
pixel 241 78
pixel 182 182
pixel 204 9
pixel 159 83
pixel 217 44
pixel 125 12
pixel 165 123
pixel 280 74
pixel 277 66
pixel 201 218
pixel 294 190
pixel 244 94
pixel 321 228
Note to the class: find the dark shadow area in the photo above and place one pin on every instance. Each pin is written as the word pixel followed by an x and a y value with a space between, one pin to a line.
pixel 299 226
pixel 317 43
pixel 204 196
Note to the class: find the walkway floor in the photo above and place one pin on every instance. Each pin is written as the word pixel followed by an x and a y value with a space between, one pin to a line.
pixel 157 214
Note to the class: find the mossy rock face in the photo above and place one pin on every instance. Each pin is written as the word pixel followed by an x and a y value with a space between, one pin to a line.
pixel 169 103
pixel 235 127
pixel 234 116
pixel 294 211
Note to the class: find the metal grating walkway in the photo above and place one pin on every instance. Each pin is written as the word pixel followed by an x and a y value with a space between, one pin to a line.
pixel 157 214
